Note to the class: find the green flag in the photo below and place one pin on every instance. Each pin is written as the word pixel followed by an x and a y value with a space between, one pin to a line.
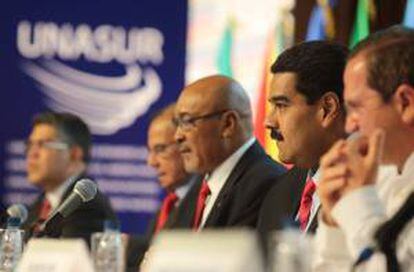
pixel 361 24
pixel 224 53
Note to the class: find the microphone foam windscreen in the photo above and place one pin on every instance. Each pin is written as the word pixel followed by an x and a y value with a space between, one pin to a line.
pixel 86 189
pixel 19 211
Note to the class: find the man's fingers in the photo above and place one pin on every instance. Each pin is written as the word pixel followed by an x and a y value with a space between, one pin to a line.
pixel 331 187
pixel 334 172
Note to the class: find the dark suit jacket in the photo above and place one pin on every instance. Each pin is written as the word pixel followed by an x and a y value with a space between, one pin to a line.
pixel 240 198
pixel 88 218
pixel 282 202
pixel 174 219
pixel 138 244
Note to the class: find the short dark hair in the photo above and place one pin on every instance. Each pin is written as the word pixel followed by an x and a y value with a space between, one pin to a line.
pixel 389 56
pixel 70 127
pixel 318 65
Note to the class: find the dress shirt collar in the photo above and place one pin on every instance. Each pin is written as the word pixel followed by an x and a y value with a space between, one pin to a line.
pixel 218 177
pixel 55 196
pixel 315 175
pixel 182 190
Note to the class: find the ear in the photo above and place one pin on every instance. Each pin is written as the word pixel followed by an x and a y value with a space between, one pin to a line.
pixel 404 98
pixel 330 108
pixel 76 153
pixel 229 123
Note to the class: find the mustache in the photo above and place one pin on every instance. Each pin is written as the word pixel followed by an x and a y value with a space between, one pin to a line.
pixel 276 135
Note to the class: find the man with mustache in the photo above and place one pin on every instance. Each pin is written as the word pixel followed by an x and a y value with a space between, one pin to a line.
pixel 305 119
pixel 215 138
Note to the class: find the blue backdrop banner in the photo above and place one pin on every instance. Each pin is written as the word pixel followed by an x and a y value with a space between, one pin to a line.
pixel 113 63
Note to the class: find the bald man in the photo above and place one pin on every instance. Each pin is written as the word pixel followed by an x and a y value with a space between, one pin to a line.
pixel 215 137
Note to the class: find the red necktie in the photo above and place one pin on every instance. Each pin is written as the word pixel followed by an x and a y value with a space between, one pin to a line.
pixel 201 204
pixel 44 212
pixel 166 208
pixel 306 203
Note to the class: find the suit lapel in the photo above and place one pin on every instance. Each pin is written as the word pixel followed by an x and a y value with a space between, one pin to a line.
pixel 175 213
pixel 183 217
pixel 314 221
pixel 254 152
pixel 301 180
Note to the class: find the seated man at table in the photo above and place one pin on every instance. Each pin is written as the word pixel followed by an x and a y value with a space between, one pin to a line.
pixel 57 155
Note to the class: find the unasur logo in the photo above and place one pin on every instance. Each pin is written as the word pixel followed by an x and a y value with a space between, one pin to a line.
pixel 106 103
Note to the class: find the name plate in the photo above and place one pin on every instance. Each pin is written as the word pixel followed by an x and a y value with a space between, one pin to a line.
pixel 206 251
pixel 52 255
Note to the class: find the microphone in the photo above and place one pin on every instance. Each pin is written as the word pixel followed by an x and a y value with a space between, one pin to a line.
pixel 18 211
pixel 84 191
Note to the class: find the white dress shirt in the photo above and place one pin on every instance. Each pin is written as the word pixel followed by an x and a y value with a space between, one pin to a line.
pixel 219 176
pixel 359 214
pixel 55 196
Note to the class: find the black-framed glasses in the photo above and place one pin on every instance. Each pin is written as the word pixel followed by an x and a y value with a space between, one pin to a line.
pixel 187 122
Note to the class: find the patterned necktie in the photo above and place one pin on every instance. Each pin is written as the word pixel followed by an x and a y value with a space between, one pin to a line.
pixel 166 208
pixel 201 204
pixel 44 212
pixel 306 203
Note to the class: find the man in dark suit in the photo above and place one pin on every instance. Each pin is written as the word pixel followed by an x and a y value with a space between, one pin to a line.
pixel 164 157
pixel 306 118
pixel 57 153
pixel 214 134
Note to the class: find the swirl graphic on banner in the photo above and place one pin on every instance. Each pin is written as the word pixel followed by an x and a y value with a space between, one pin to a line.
pixel 106 103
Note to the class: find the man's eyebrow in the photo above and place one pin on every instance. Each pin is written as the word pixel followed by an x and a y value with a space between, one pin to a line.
pixel 279 98
pixel 182 114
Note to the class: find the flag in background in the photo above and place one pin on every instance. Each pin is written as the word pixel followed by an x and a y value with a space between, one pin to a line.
pixel 224 63
pixel 262 107
pixel 279 39
pixel 321 24
pixel 365 11
pixel 409 14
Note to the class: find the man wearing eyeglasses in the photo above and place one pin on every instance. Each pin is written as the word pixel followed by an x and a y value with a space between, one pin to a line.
pixel 57 153
pixel 165 158
pixel 215 137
